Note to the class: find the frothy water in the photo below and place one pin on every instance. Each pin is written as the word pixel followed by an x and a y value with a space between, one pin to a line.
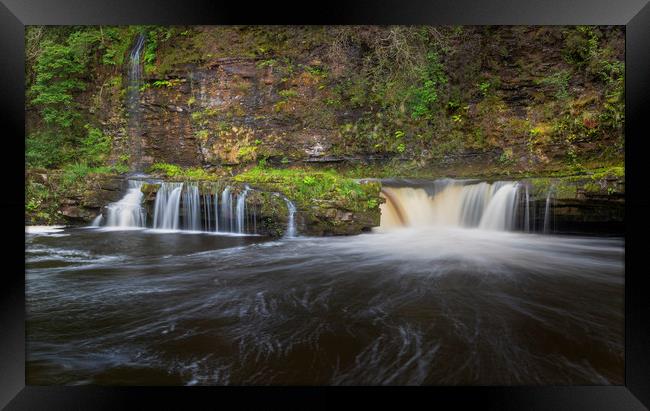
pixel 43 229
pixel 127 212
pixel 451 203
pixel 182 207
pixel 167 206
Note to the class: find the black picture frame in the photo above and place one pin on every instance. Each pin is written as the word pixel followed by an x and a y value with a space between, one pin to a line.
pixel 634 14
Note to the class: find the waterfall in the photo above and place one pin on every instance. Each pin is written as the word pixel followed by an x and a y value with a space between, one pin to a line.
pixel 216 212
pixel 97 221
pixel 167 205
pixel 527 212
pixel 241 210
pixel 291 220
pixel 226 209
pixel 500 211
pixel 207 211
pixel 191 208
pixel 547 212
pixel 127 212
pixel 133 102
pixel 181 206
pixel 474 200
pixel 451 203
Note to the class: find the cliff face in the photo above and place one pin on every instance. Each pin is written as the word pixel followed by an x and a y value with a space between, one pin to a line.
pixel 231 113
pixel 523 99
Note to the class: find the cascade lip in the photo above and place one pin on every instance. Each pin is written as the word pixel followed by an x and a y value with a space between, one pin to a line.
pixel 422 182
pixel 427 182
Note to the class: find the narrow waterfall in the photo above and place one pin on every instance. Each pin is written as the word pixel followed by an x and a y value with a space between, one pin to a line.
pixel 167 206
pixel 191 208
pixel 547 213
pixel 527 212
pixel 226 210
pixel 133 102
pixel 291 223
pixel 451 203
pixel 97 221
pixel 127 212
pixel 241 210
pixel 207 212
pixel 216 212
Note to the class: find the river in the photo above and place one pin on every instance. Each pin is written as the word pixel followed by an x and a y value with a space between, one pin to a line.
pixel 414 305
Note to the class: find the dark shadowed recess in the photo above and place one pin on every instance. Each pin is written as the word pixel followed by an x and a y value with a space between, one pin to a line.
pixel 14 14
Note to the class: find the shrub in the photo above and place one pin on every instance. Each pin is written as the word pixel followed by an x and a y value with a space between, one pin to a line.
pixel 95 147
pixel 432 77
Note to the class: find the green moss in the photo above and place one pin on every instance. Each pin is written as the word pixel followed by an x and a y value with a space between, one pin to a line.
pixel 177 172
pixel 309 187
pixel 246 154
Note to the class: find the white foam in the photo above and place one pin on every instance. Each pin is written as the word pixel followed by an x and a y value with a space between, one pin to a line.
pixel 44 229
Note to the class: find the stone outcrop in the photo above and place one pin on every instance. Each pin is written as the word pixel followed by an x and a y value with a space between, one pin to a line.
pixel 72 203
pixel 578 204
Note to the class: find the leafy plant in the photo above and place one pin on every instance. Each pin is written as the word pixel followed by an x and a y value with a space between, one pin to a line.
pixel 559 81
pixel 309 180
pixel 425 97
pixel 484 87
pixel 507 157
pixel 95 146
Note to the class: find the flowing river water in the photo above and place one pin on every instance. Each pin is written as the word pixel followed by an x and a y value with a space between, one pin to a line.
pixel 414 302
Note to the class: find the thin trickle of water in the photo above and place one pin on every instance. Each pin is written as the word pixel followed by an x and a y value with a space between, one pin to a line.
pixel 207 211
pixel 216 212
pixel 547 212
pixel 291 219
pixel 167 206
pixel 127 212
pixel 133 100
pixel 527 212
pixel 241 210
pixel 97 221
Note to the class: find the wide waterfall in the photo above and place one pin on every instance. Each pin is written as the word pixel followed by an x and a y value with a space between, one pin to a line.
pixel 458 203
pixel 183 207
pixel 167 206
pixel 502 206
pixel 133 102
pixel 127 212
